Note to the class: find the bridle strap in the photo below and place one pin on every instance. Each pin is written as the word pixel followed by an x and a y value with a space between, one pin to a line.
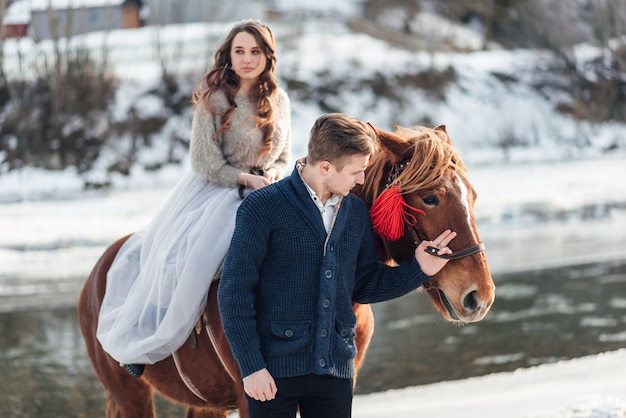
pixel 454 256
pixel 459 254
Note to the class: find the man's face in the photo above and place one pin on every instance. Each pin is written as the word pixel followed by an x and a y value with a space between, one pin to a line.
pixel 353 172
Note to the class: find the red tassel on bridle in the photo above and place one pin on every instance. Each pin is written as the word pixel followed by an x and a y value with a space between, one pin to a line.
pixel 390 212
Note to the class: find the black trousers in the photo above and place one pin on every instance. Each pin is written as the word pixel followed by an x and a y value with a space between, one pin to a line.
pixel 317 396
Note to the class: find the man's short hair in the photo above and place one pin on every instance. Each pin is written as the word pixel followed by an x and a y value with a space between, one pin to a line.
pixel 336 136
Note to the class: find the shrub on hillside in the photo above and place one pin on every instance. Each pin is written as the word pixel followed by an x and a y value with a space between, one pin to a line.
pixel 57 120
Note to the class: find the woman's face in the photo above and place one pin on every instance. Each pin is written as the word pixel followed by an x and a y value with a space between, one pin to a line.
pixel 247 58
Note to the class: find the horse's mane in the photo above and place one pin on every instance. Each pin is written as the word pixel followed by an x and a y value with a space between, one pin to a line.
pixel 426 154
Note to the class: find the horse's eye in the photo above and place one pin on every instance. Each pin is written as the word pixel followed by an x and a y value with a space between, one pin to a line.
pixel 431 200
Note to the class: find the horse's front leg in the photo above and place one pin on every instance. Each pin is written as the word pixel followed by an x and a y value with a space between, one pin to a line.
pixel 206 413
pixel 243 406
pixel 363 333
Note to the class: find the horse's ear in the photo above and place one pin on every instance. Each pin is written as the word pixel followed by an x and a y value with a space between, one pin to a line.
pixel 442 130
pixel 392 144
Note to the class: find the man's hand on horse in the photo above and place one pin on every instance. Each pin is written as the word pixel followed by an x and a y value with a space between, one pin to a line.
pixel 429 262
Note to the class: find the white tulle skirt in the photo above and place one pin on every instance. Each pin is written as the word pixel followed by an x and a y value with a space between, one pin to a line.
pixel 158 283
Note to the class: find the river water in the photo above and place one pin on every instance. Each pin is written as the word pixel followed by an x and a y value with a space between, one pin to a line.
pixel 539 316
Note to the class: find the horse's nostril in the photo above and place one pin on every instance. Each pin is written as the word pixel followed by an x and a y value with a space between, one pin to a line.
pixel 470 302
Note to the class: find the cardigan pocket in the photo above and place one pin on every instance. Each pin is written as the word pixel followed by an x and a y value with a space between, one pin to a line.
pixel 345 339
pixel 289 337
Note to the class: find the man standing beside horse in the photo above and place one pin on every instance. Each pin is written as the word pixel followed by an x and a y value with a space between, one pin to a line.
pixel 301 254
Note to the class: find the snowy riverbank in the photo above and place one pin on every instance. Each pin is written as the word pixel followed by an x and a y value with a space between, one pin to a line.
pixel 588 387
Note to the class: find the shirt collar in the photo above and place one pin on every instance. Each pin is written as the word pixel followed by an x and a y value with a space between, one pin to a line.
pixel 332 201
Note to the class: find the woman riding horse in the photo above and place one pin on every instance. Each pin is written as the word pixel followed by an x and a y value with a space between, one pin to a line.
pixel 203 375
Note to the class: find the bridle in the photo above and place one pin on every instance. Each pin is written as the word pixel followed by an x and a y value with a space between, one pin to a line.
pixel 454 256
pixel 395 171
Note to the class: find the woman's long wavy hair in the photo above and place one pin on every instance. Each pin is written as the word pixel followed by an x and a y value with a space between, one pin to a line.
pixel 222 77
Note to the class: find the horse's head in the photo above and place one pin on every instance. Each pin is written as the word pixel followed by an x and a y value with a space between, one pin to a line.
pixel 433 179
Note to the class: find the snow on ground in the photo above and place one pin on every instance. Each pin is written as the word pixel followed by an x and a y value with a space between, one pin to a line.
pixel 588 387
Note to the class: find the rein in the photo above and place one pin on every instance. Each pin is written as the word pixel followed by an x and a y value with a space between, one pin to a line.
pixel 454 256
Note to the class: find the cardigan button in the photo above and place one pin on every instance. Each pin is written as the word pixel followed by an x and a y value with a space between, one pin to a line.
pixel 322 362
pixel 288 333
pixel 323 333
pixel 328 274
pixel 326 303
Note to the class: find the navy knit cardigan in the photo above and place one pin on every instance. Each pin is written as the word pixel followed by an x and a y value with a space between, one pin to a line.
pixel 285 305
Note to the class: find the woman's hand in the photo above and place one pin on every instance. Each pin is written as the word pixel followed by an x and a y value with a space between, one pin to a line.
pixel 271 174
pixel 431 264
pixel 253 181
pixel 256 182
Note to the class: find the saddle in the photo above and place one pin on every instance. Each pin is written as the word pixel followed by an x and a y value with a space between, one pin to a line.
pixel 219 345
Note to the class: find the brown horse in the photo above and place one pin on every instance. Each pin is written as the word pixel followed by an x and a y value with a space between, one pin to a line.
pixel 203 375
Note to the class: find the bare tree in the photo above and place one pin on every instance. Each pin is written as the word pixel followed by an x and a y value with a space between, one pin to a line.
pixel 55 83
pixel 609 26
pixel 4 79
pixel 555 25
pixel 3 75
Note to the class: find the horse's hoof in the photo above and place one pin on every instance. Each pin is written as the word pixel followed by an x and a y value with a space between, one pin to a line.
pixel 135 369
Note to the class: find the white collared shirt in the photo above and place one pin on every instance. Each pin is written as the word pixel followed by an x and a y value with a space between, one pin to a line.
pixel 326 210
